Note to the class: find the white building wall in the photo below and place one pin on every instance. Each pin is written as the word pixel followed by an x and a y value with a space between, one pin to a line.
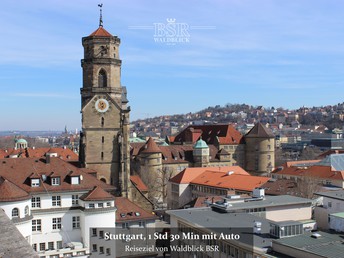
pixel 94 219
pixel 333 205
pixel 66 234
pixel 25 226
pixel 9 206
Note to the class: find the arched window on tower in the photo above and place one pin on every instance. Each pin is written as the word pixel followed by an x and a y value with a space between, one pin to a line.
pixel 102 122
pixel 102 79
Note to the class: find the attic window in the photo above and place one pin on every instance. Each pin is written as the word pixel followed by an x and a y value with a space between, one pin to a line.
pixel 55 181
pixel 122 215
pixel 34 182
pixel 137 214
pixel 75 180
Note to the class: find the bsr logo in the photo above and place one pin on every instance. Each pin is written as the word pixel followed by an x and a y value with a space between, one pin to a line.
pixel 171 29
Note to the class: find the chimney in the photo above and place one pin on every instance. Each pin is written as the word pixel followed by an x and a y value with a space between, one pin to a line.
pixel 48 157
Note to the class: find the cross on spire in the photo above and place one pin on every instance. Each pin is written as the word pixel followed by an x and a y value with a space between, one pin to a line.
pixel 101 16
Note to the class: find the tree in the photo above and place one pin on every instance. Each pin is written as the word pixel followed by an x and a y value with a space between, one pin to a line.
pixel 157 183
pixel 306 186
pixel 310 153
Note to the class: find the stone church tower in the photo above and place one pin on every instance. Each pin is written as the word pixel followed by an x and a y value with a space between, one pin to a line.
pixel 104 141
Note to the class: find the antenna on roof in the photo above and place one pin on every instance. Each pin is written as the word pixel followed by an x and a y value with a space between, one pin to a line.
pixel 101 16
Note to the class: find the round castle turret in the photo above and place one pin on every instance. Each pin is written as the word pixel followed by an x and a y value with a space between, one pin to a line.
pixel 260 150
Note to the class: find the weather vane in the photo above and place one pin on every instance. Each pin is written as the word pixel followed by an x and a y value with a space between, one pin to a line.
pixel 101 16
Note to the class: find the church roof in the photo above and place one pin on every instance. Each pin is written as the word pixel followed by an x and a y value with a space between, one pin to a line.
pixel 10 192
pixel 260 131
pixel 150 147
pixel 100 32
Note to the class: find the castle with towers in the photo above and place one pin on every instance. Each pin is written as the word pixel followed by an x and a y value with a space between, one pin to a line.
pixel 104 141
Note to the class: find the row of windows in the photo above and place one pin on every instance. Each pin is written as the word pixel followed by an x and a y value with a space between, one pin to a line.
pixel 55 201
pixel 208 190
pixel 49 246
pixel 56 224
pixel 99 205
pixel 36 182
pixel 101 249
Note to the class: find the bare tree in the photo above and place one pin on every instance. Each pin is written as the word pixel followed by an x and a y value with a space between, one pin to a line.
pixel 307 186
pixel 157 183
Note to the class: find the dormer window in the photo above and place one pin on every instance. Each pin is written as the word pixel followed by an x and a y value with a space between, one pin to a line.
pixel 55 181
pixel 35 182
pixel 75 180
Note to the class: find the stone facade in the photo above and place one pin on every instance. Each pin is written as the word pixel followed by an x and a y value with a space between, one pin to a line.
pixel 105 116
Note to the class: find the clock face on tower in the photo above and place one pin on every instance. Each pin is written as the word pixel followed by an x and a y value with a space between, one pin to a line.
pixel 102 105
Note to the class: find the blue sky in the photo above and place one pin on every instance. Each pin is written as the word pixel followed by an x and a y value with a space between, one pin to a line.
pixel 262 52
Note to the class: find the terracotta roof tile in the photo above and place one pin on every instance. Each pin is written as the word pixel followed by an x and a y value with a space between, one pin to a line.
pixel 20 171
pixel 301 169
pixel 10 192
pixel 136 180
pixel 225 133
pixel 100 32
pixel 150 147
pixel 233 181
pixel 128 211
pixel 189 174
pixel 62 153
pixel 97 194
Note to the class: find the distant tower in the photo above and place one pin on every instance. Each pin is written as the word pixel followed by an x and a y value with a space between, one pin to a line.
pixel 104 140
pixel 201 154
pixel 260 150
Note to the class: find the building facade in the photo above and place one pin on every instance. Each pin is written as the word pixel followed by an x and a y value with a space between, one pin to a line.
pixel 54 204
pixel 105 115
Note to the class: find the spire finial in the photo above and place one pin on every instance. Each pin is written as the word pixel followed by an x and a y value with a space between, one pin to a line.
pixel 101 16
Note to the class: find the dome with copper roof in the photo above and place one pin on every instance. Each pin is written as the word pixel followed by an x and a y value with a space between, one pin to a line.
pixel 200 144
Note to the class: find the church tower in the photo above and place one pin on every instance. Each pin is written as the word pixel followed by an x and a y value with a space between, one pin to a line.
pixel 104 141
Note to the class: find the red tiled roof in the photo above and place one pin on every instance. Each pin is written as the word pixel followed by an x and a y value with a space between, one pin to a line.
pixel 128 211
pixel 233 181
pixel 19 171
pixel 308 168
pixel 100 32
pixel 62 153
pixel 9 192
pixel 137 182
pixel 189 174
pixel 226 134
pixel 329 152
pixel 97 194
pixel 150 147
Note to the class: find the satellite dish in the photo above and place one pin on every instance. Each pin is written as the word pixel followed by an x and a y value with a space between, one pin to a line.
pixel 81 177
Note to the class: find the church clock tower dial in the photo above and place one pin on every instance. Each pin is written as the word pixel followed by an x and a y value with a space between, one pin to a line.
pixel 104 144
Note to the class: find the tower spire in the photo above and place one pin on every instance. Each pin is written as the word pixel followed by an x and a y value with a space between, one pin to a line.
pixel 101 16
